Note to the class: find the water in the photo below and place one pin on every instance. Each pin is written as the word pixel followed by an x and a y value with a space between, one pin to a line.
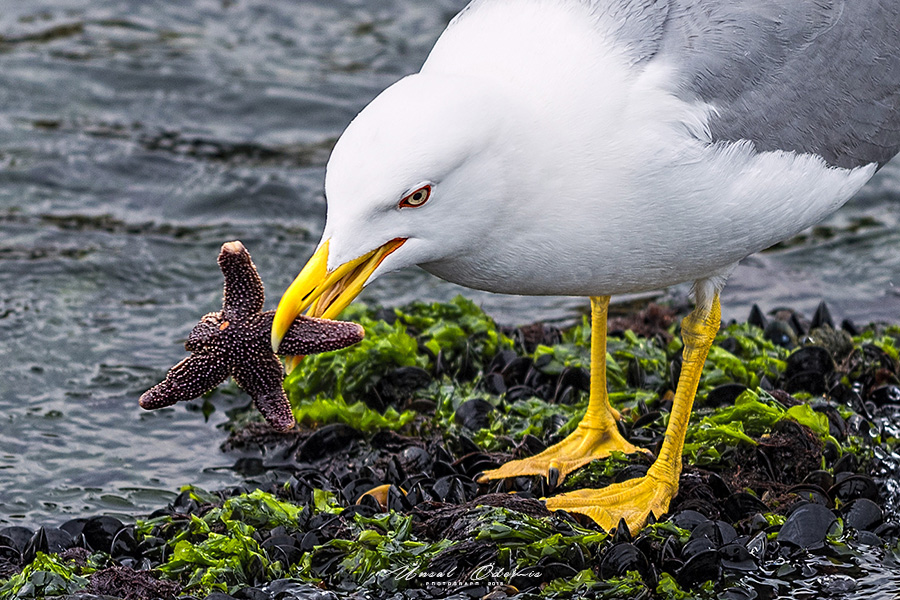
pixel 136 137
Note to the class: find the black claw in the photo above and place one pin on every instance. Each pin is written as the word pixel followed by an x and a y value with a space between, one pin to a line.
pixel 553 477
pixel 236 341
pixel 622 533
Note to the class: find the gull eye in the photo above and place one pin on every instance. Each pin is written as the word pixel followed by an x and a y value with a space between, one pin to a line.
pixel 417 198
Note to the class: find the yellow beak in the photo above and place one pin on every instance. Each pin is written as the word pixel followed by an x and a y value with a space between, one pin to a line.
pixel 326 293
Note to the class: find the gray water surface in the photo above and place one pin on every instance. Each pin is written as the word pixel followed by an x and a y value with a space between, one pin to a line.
pixel 136 137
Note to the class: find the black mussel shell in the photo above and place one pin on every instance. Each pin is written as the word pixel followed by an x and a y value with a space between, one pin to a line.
pixel 282 548
pixel 812 493
pixel 327 440
pixel 853 487
pixel 718 532
pixel 493 383
pixel 848 463
pixel 354 490
pixel 888 531
pixel 630 472
pixel 757 317
pixel 807 370
pixel 474 414
pixel 557 570
pixel 780 334
pixel 724 395
pixel 689 519
pixel 16 537
pixel 837 426
pixel 695 546
pixel 125 544
pixel 400 385
pixel 455 489
pixel 736 557
pixel 758 544
pixel 700 568
pixel 622 558
pixel 820 478
pixel 646 419
pixel 516 370
pixel 99 532
pixel 821 317
pixel 863 514
pixel 741 505
pixel 807 526
pixel 888 394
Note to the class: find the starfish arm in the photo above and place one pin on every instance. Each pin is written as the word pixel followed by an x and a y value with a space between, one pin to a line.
pixel 244 291
pixel 192 377
pixel 262 380
pixel 309 335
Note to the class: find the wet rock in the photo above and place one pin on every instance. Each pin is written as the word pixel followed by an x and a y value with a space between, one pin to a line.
pixel 807 526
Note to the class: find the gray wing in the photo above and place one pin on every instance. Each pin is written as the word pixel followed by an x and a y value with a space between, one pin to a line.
pixel 810 76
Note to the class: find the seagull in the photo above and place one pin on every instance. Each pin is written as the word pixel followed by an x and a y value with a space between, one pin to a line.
pixel 600 147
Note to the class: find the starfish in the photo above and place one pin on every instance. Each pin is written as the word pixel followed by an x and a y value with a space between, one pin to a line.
pixel 236 341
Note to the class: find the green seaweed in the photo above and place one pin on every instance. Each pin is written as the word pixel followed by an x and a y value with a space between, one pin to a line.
pixel 382 553
pixel 219 551
pixel 333 386
pixel 47 575
pixel 320 411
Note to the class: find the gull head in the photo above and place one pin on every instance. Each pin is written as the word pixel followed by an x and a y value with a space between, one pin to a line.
pixel 417 178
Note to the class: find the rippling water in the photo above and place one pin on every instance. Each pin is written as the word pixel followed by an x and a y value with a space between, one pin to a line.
pixel 136 137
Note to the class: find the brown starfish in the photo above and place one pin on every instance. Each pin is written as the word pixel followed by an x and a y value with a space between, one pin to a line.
pixel 236 341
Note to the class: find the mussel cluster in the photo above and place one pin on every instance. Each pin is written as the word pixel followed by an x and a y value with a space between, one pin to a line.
pixel 780 513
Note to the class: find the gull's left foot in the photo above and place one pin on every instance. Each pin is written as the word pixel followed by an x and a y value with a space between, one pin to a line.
pixel 579 448
pixel 632 500
pixel 236 341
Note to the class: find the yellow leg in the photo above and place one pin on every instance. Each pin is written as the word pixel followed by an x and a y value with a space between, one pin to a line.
pixel 635 499
pixel 596 435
